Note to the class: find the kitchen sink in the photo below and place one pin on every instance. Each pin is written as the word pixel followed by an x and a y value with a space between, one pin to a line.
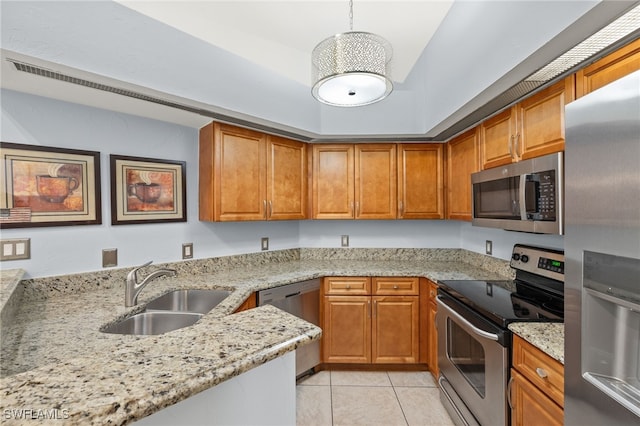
pixel 157 322
pixel 188 300
pixel 171 311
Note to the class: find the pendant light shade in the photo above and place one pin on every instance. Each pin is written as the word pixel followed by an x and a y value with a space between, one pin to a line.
pixel 352 68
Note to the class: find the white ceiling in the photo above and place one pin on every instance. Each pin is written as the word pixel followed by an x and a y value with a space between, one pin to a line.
pixel 280 35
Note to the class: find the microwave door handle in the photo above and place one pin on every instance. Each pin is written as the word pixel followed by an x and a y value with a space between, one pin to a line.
pixel 523 197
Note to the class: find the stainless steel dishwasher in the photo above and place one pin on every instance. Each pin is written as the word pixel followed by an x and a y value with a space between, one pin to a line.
pixel 301 299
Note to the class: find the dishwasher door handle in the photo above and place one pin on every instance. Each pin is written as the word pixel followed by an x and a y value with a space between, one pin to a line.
pixel 292 294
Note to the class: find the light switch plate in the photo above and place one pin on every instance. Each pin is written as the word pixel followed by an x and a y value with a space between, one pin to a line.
pixel 109 258
pixel 187 251
pixel 265 243
pixel 344 241
pixel 15 249
pixel 488 248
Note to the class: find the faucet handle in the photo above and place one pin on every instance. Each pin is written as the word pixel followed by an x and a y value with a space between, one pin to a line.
pixel 133 274
pixel 145 264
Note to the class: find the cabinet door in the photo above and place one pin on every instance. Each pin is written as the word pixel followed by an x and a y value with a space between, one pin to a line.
pixel 395 330
pixel 420 181
pixel 541 121
pixel 346 328
pixel 375 181
pixel 622 62
pixel 530 407
pixel 462 161
pixel 236 190
pixel 287 179
pixel 497 136
pixel 332 178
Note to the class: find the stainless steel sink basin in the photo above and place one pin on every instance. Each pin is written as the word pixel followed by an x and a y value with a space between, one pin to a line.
pixel 189 300
pixel 147 323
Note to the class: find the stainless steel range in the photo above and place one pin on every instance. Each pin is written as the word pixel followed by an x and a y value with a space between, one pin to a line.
pixel 474 342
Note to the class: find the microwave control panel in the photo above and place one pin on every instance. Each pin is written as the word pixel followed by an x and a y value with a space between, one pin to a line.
pixel 545 193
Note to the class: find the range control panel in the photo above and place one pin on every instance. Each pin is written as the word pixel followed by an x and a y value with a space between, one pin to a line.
pixel 538 260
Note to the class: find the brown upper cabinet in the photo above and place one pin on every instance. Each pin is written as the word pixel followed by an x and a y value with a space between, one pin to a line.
pixel 463 159
pixel 354 181
pixel 610 68
pixel 420 181
pixel 531 128
pixel 246 175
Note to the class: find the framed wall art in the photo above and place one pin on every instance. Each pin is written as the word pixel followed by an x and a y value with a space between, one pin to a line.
pixel 48 186
pixel 147 190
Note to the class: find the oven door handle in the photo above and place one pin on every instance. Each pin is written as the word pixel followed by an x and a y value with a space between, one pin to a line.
pixel 463 322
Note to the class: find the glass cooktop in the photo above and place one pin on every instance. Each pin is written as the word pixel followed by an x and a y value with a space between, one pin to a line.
pixel 504 302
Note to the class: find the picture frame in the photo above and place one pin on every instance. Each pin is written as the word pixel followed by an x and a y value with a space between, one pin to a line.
pixel 147 190
pixel 48 186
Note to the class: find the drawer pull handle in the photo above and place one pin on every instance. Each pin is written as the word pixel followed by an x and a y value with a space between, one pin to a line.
pixel 542 373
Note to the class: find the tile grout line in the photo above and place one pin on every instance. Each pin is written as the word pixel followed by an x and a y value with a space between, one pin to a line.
pixel 331 396
pixel 398 399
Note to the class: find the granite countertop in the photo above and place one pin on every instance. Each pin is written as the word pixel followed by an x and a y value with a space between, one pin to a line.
pixel 546 336
pixel 10 292
pixel 54 355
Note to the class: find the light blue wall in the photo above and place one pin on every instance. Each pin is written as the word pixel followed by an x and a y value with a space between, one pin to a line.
pixel 35 120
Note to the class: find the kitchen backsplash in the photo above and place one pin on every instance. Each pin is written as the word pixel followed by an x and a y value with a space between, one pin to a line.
pixel 46 287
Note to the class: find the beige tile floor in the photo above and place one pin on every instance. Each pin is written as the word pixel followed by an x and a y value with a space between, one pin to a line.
pixel 369 398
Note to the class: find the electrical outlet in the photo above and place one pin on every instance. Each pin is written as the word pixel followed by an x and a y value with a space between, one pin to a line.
pixel 16 249
pixel 344 241
pixel 187 251
pixel 109 258
pixel 488 248
pixel 264 243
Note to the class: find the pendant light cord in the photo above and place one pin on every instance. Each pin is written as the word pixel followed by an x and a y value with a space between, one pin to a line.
pixel 350 15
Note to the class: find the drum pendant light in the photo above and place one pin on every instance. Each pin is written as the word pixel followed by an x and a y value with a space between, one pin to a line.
pixel 352 68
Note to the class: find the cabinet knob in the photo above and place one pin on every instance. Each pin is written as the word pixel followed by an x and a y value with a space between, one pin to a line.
pixel 395 287
pixel 542 373
pixel 348 286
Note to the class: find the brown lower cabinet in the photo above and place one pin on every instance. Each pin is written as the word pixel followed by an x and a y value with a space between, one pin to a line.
pixel 432 333
pixel 536 387
pixel 371 320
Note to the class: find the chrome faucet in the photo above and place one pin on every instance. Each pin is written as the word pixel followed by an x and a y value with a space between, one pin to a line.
pixel 133 287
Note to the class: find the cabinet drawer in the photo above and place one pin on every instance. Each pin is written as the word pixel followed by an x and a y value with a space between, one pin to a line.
pixel 529 406
pixel 347 285
pixel 540 369
pixel 396 286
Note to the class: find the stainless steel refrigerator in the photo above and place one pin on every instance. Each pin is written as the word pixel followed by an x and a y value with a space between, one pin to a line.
pixel 602 255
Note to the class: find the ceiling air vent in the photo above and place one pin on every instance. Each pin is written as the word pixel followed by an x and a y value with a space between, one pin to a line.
pixel 43 72
pixel 609 35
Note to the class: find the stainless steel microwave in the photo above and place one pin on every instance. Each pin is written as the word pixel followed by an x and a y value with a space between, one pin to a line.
pixel 525 196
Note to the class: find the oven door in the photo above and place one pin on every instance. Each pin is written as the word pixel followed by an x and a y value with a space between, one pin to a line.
pixel 473 358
